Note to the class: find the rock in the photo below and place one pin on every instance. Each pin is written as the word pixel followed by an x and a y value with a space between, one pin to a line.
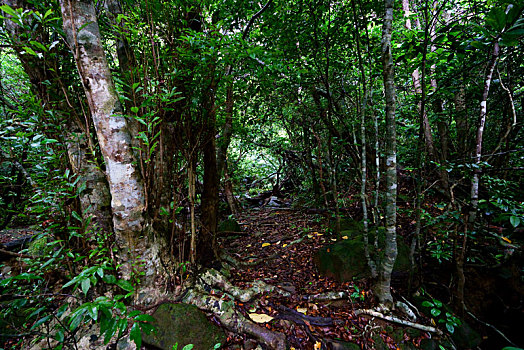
pixel 429 344
pixel 466 337
pixel 183 324
pixel 342 345
pixel 345 260
pixel 274 202
pixel 229 225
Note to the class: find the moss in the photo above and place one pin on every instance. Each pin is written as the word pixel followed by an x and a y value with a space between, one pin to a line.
pixel 229 225
pixel 183 324
pixel 346 261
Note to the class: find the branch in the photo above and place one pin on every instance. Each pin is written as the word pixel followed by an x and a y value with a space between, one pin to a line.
pixel 252 20
pixel 398 320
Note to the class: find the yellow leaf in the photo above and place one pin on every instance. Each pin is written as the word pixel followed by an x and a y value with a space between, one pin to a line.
pixel 309 236
pixel 319 234
pixel 506 239
pixel 265 244
pixel 318 345
pixel 344 237
pixel 260 318
pixel 334 240
pixel 249 245
pixel 284 245
pixel 302 310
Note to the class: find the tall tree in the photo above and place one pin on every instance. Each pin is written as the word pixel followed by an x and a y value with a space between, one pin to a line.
pixel 382 288
pixel 125 184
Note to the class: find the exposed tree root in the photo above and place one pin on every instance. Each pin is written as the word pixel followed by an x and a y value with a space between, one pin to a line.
pixel 214 278
pixel 328 296
pixel 234 321
pixel 398 320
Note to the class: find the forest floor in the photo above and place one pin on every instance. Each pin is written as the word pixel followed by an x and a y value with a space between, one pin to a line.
pixel 284 242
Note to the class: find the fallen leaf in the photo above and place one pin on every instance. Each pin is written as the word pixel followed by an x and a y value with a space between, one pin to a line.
pixel 309 236
pixel 302 310
pixel 260 318
pixel 318 345
pixel 334 240
pixel 284 245
pixel 265 244
pixel 345 237
pixel 506 239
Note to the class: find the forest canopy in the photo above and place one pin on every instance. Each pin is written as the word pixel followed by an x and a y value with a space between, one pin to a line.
pixel 140 140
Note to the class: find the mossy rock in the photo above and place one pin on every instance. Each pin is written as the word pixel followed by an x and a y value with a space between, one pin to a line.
pixel 183 324
pixel 38 246
pixel 229 225
pixel 348 227
pixel 345 260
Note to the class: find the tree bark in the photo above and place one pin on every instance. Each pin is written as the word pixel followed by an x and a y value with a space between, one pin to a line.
pixel 382 287
pixel 127 191
pixel 480 132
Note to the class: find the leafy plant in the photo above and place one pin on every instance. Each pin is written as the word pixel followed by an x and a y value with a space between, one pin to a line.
pixel 437 310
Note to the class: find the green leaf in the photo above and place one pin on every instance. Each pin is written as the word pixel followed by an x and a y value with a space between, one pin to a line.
pixel 109 279
pixel 76 216
pixel 435 312
pixel 7 9
pixel 86 284
pixel 40 322
pixel 135 335
pixel 450 328
pixel 145 318
pixel 125 285
pixel 514 220
pixel 188 347
pixel 147 328
pixel 134 109
pixel 496 18
pixel 110 330
pixel 427 304
pixel 76 318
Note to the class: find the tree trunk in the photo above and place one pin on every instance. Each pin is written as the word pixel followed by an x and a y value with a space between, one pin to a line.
pixel 95 197
pixel 382 288
pixel 207 241
pixel 128 202
pixel 480 133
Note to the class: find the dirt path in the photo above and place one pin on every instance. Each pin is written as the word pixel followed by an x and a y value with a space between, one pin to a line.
pixel 282 244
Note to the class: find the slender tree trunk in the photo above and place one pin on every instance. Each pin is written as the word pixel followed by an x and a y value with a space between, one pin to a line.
pixel 364 172
pixel 209 217
pixel 480 132
pixel 419 90
pixel 382 288
pixel 95 197
pixel 127 191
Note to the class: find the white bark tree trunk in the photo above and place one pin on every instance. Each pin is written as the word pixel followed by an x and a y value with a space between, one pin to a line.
pixel 127 191
pixel 382 288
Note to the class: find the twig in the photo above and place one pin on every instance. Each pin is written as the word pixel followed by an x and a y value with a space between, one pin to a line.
pixel 18 255
pixel 398 320
pixel 492 327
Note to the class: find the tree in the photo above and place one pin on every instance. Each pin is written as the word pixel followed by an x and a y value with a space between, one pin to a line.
pixel 382 288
